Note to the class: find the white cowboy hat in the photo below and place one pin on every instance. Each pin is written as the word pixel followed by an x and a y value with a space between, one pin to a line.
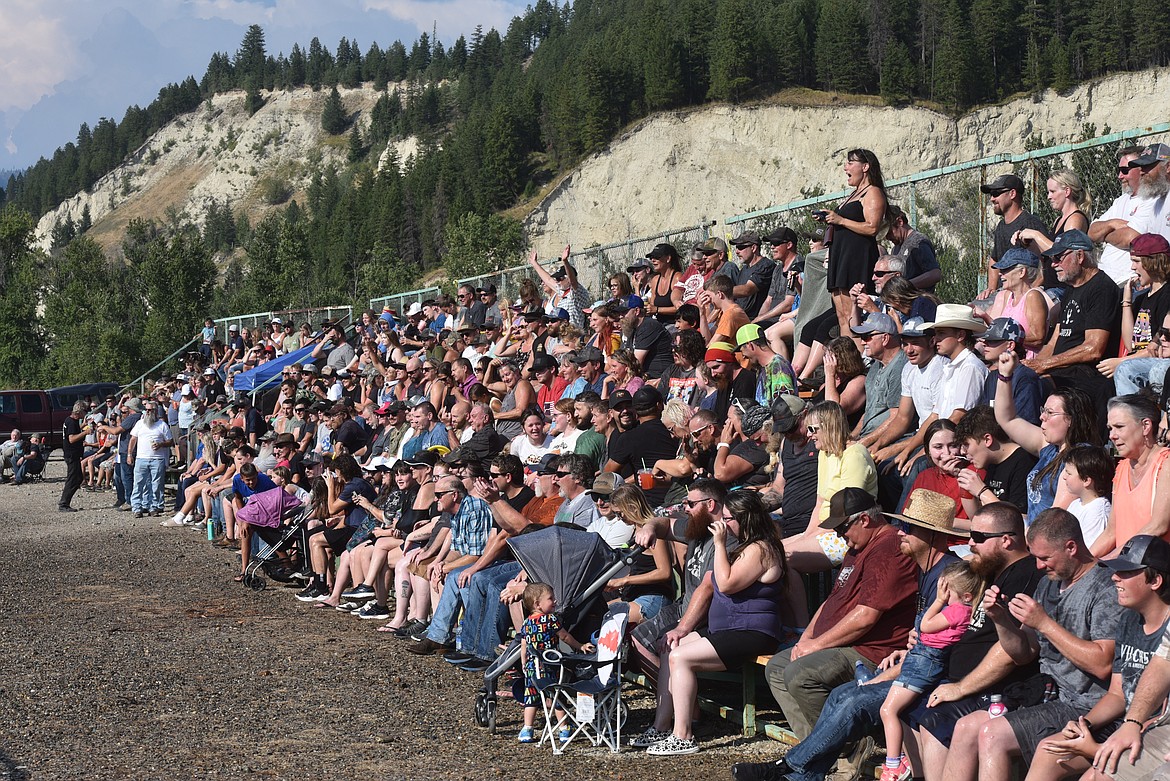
pixel 956 316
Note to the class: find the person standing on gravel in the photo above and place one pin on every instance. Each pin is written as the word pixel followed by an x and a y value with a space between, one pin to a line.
pixel 72 448
pixel 149 448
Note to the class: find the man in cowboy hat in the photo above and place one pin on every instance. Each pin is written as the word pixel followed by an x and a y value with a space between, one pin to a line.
pixel 1090 321
pixel 926 529
pixel 867 616
pixel 955 328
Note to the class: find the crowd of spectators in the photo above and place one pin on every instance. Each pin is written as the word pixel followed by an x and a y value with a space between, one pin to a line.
pixel 755 419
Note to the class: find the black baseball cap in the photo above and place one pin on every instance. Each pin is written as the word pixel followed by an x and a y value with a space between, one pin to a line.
pixel 848 502
pixel 1142 550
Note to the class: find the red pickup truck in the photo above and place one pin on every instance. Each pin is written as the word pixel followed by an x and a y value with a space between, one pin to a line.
pixel 44 411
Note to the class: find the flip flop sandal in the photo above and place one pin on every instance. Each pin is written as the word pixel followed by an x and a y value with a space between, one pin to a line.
pixel 238 578
pixel 387 628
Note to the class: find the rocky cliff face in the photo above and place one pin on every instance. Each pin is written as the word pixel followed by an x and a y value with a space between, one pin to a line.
pixel 674 170
pixel 219 153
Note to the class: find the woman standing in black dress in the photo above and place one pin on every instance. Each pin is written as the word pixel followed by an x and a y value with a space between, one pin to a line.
pixel 855 226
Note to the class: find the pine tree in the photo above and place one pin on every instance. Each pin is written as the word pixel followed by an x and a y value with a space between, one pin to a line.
pixel 356 149
pixel 251 58
pixel 730 52
pixel 333 117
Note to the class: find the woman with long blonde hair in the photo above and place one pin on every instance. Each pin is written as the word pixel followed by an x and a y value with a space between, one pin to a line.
pixel 1069 198
pixel 649 584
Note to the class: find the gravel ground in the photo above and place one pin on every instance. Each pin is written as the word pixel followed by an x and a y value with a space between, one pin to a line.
pixel 126 652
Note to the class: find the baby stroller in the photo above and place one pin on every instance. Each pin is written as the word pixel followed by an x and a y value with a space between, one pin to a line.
pixel 577 564
pixel 278 518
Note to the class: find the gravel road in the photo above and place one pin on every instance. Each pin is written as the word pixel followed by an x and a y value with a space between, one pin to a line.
pixel 126 652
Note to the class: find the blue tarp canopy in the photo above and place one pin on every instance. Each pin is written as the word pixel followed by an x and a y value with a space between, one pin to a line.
pixel 248 381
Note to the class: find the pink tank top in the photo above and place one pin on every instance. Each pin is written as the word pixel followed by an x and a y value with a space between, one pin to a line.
pixel 1016 312
pixel 1132 506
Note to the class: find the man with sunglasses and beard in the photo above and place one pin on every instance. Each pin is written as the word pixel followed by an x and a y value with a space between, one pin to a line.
pixel 978 665
pixel 690 535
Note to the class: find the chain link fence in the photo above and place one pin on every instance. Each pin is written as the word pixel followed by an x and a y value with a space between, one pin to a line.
pixel 947 206
pixel 594 265
pixel 400 302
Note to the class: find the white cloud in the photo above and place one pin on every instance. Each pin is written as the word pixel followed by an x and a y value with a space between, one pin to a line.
pixel 243 13
pixel 452 17
pixel 37 54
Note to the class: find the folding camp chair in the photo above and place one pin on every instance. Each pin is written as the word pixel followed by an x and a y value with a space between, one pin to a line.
pixel 592 704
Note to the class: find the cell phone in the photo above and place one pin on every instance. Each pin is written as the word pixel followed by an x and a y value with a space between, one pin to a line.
pixel 820 214
pixel 962 460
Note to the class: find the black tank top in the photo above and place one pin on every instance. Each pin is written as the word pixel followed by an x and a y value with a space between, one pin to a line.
pixel 661 300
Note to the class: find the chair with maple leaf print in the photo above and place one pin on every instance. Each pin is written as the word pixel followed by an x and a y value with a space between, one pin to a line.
pixel 588 688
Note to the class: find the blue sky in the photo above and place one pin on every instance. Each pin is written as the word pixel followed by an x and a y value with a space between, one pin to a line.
pixel 64 62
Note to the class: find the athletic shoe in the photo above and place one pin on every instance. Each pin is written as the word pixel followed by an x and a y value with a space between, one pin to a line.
pixel 527 735
pixel 346 607
pixel 410 628
pixel 457 657
pixel 476 665
pixel 69 510
pixel 564 734
pixel 361 593
pixel 761 771
pixel 421 632
pixel 371 611
pixel 649 738
pixel 905 771
pixel 310 593
pixel 172 523
pixel 673 746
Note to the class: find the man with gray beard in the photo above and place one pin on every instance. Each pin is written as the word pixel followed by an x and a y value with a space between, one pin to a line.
pixel 150 441
pixel 1111 229
pixel 1152 211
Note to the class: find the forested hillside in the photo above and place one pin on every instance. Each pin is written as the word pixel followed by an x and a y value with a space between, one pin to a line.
pixel 497 117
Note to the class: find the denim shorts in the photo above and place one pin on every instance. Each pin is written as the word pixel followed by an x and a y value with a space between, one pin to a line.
pixel 651 604
pixel 922 668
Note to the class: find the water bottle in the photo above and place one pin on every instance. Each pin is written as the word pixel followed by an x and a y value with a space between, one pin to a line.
pixel 861 673
pixel 996 708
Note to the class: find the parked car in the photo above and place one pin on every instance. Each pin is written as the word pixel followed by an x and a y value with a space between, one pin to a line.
pixel 44 411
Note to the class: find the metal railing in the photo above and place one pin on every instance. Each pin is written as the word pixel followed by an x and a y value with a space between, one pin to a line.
pixel 595 264
pixel 314 316
pixel 140 380
pixel 946 203
pixel 400 301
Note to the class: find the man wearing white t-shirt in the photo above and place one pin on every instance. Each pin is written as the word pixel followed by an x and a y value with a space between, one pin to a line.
pixel 150 444
pixel 1149 209
pixel 1109 230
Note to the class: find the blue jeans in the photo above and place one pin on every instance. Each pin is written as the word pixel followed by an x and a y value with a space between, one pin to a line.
pixel 485 620
pixel 447 611
pixel 849 713
pixel 19 471
pixel 126 473
pixel 149 474
pixel 1137 373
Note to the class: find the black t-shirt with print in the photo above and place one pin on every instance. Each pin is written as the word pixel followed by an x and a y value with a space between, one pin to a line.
pixel 1008 479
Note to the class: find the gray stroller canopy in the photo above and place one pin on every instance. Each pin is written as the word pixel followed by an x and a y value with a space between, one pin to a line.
pixel 569 560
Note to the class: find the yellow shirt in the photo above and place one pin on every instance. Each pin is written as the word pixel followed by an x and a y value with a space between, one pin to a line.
pixel 852 469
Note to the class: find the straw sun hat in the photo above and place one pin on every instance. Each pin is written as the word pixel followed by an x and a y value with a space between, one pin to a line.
pixel 930 510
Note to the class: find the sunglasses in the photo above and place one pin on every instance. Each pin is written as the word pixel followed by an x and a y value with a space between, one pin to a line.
pixel 443 493
pixel 812 429
pixel 562 474
pixel 497 474
pixel 981 537
pixel 883 273
pixel 600 499
pixel 693 504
